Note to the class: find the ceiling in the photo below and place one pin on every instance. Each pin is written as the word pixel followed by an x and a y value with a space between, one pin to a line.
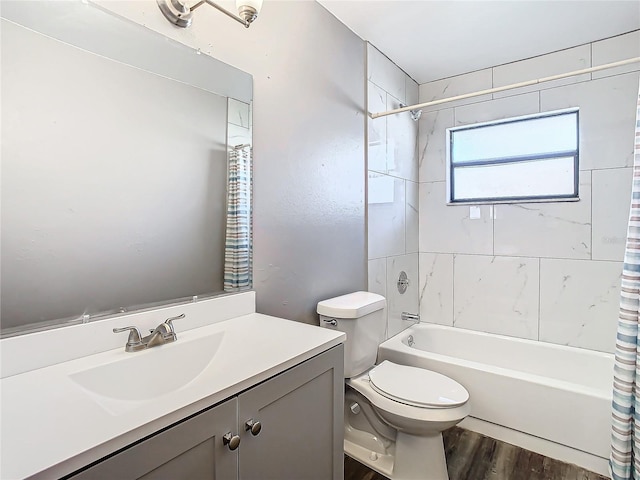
pixel 434 39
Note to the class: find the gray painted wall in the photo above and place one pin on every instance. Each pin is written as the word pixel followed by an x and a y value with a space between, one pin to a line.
pixel 309 168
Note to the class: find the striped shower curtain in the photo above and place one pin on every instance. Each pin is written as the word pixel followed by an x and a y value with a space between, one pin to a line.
pixel 237 254
pixel 625 439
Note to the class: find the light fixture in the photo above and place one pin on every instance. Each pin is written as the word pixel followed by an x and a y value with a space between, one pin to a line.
pixel 178 13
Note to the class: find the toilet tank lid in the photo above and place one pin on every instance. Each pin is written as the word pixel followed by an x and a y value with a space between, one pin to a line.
pixel 352 305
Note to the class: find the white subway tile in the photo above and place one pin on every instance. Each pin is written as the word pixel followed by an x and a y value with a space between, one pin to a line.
pixel 450 228
pixel 579 302
pixel 550 229
pixel 436 288
pixel 496 294
pixel 554 63
pixel 611 201
pixel 454 86
pixel 607 118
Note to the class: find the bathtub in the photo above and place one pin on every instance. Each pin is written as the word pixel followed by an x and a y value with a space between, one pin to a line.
pixel 551 399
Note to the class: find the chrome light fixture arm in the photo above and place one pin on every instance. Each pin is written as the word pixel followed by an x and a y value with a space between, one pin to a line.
pixel 226 12
pixel 178 13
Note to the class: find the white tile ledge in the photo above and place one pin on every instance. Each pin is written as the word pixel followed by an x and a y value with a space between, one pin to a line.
pixel 50 427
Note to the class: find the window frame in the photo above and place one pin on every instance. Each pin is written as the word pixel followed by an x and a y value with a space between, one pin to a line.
pixel 450 167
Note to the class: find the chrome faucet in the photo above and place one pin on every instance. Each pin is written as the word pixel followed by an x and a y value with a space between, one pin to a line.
pixel 412 317
pixel 163 333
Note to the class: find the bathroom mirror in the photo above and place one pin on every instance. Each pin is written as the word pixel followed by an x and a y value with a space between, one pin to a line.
pixel 116 146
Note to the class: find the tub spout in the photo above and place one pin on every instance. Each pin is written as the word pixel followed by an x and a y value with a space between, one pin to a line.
pixel 412 317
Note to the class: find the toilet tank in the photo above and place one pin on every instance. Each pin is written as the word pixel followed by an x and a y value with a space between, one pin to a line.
pixel 361 315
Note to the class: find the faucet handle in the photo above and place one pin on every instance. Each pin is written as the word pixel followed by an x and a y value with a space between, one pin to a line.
pixel 135 338
pixel 169 321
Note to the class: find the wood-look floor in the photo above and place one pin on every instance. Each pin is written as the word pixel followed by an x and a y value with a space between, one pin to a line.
pixel 471 456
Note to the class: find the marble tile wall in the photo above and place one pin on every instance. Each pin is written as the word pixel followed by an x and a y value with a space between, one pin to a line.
pixel 392 188
pixel 543 271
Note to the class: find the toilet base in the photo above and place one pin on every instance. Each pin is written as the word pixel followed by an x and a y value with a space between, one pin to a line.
pixel 420 458
pixel 381 463
pixel 413 458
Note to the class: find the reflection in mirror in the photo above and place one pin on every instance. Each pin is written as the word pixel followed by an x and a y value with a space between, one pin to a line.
pixel 237 254
pixel 122 187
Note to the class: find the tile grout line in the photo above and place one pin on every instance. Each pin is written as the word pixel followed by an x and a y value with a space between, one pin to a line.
pixel 591 215
pixel 493 229
pixel 406 196
pixel 539 295
pixel 453 289
pixel 429 110
pixel 493 81
pixel 531 257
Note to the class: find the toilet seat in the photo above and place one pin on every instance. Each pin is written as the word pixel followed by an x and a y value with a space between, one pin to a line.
pixel 420 418
pixel 416 386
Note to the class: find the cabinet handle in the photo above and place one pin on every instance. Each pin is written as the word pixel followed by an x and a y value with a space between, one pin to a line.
pixel 233 441
pixel 253 425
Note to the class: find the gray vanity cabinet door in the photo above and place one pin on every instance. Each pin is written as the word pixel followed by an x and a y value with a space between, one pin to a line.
pixel 301 415
pixel 191 450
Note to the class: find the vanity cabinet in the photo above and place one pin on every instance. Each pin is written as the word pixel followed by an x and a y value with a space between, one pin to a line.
pixel 192 449
pixel 297 419
pixel 301 413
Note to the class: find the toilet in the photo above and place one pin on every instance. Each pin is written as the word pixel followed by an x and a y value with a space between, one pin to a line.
pixel 394 414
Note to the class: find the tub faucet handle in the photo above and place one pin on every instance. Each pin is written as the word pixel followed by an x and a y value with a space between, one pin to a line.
pixel 413 317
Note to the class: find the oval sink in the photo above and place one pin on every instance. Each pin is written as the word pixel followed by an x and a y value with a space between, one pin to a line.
pixel 146 375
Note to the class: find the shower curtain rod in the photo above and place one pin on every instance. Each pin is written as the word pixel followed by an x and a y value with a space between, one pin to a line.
pixel 506 87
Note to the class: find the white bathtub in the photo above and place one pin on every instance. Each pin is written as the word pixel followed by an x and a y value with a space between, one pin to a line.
pixel 552 399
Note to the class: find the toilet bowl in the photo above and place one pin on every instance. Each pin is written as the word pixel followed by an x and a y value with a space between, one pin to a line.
pixel 394 414
pixel 417 411
pixel 411 399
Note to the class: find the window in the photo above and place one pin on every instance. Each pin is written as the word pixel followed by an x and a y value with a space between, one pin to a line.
pixel 532 158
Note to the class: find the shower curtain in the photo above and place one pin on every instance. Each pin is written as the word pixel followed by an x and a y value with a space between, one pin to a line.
pixel 237 253
pixel 624 461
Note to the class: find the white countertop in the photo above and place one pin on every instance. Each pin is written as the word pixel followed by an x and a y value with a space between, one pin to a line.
pixel 51 426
